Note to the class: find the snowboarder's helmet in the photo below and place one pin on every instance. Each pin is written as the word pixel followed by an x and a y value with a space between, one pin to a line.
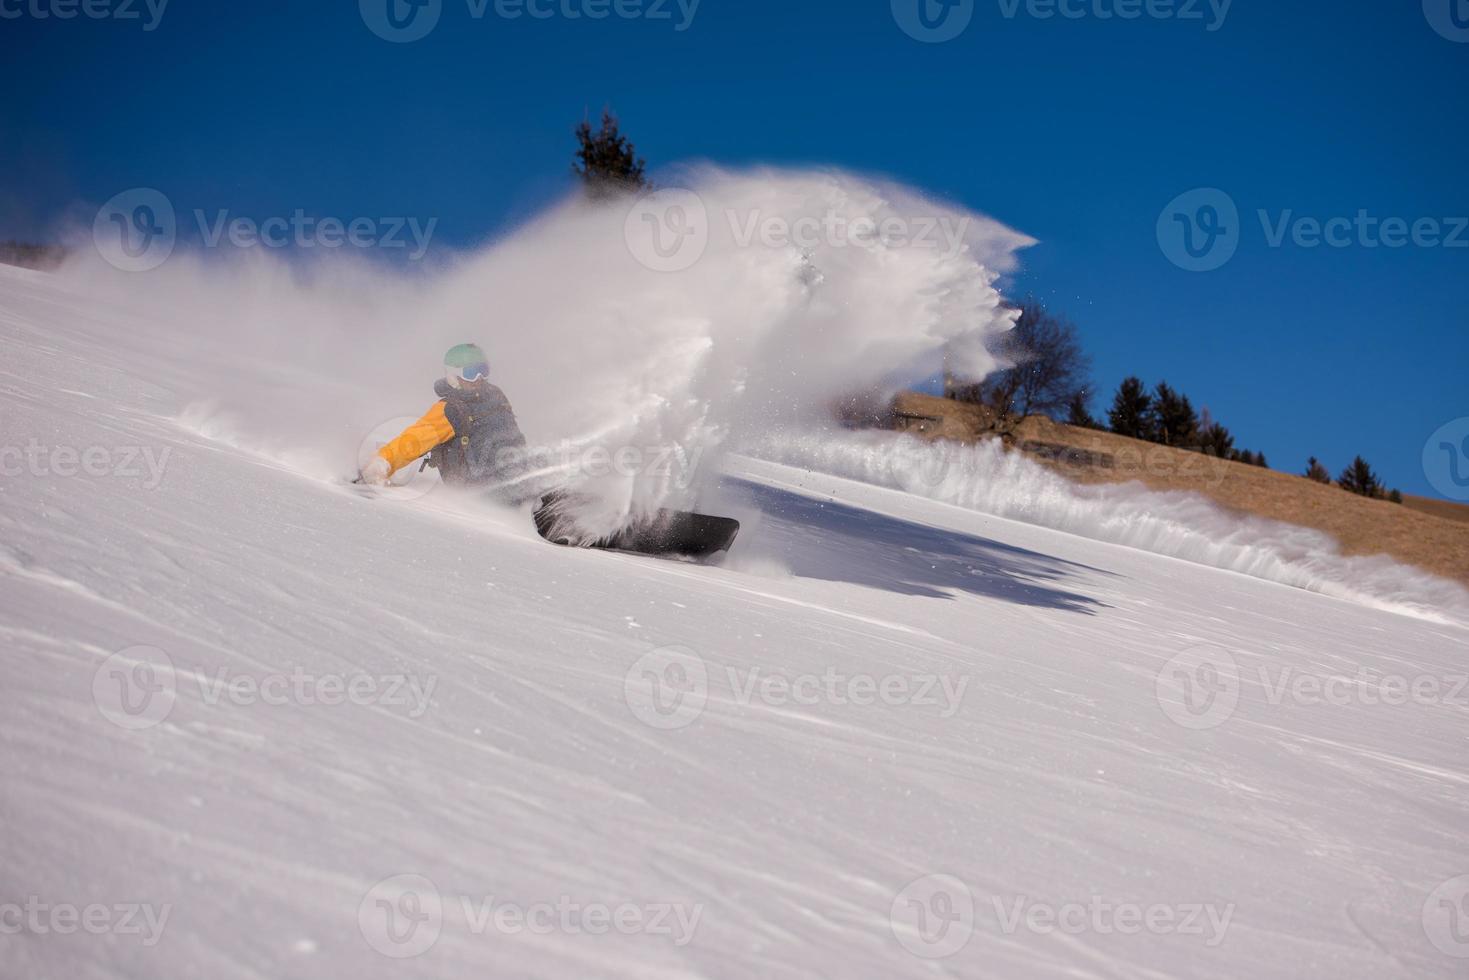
pixel 466 364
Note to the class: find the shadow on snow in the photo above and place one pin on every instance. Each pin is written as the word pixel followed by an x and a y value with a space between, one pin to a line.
pixel 838 543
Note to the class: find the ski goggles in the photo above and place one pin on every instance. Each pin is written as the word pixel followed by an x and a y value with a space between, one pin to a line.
pixel 471 372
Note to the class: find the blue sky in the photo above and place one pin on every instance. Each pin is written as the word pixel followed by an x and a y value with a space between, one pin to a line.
pixel 1078 130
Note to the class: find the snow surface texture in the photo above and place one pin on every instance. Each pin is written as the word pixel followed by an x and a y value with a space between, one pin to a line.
pixel 260 726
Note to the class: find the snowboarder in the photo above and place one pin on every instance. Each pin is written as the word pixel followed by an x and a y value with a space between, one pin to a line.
pixel 469 435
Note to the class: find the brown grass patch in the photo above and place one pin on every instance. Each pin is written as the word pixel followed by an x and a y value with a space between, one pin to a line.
pixel 1431 534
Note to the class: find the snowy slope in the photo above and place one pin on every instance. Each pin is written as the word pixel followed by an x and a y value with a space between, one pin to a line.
pixel 875 689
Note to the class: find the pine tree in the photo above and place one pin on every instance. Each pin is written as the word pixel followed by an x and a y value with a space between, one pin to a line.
pixel 1216 441
pixel 1174 420
pixel 1396 496
pixel 606 160
pixel 1315 471
pixel 1260 461
pixel 1078 414
pixel 1359 478
pixel 1131 407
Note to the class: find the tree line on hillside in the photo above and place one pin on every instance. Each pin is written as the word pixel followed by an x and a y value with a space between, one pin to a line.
pixel 1167 416
pixel 1358 478
pixel 1048 375
pixel 28 255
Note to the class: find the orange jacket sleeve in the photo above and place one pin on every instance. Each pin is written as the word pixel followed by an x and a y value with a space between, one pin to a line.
pixel 418 438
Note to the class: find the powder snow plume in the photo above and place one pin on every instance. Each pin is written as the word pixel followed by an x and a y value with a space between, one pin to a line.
pixel 860 287
pixel 984 477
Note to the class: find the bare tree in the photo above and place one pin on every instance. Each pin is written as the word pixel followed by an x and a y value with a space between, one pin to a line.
pixel 1047 373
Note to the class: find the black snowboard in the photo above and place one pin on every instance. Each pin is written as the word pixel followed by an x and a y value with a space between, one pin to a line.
pixel 669 533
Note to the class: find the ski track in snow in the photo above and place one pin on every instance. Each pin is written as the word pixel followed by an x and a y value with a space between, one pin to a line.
pixel 527 777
